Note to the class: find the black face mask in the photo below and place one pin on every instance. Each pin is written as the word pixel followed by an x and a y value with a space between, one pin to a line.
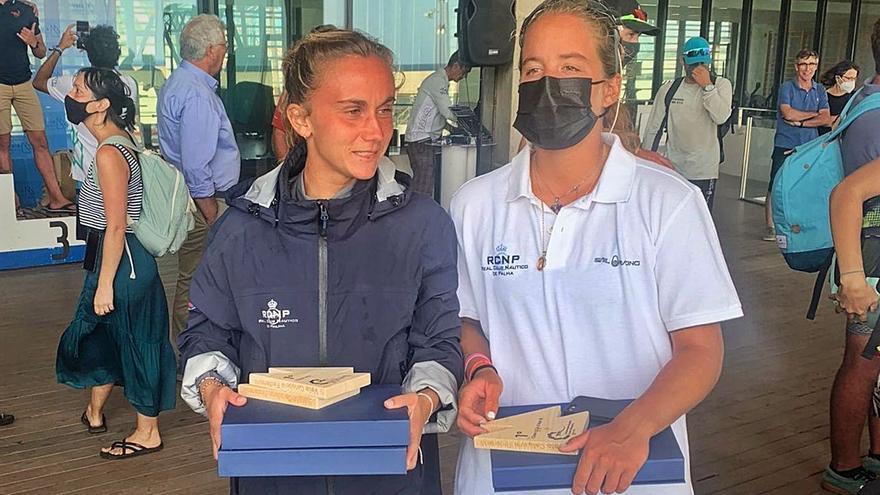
pixel 554 113
pixel 630 50
pixel 76 110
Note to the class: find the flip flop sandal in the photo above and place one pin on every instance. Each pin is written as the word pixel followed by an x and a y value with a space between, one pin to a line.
pixel 6 419
pixel 135 449
pixel 68 208
pixel 102 428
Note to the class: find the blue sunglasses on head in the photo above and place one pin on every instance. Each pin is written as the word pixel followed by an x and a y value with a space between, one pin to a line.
pixel 698 52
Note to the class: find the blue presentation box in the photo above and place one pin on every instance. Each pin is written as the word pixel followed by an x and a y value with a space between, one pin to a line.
pixel 356 436
pixel 514 471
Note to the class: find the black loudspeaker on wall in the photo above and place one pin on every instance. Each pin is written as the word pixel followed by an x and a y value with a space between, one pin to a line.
pixel 486 31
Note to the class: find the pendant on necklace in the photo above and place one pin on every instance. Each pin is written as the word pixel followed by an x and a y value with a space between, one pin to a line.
pixel 556 206
pixel 542 262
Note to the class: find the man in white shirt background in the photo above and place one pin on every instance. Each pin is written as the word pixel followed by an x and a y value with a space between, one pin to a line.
pixel 429 116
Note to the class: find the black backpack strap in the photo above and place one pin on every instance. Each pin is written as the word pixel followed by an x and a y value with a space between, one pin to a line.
pixel 667 101
pixel 817 287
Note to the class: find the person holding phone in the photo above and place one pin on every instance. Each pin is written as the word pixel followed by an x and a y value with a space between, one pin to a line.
pixel 102 49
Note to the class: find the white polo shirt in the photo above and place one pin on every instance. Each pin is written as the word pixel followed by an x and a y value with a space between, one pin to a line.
pixel 627 264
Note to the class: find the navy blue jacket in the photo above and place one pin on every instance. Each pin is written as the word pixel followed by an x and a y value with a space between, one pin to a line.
pixel 389 302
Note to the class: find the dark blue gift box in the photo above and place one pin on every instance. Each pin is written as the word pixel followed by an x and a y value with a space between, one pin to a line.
pixel 515 471
pixel 356 436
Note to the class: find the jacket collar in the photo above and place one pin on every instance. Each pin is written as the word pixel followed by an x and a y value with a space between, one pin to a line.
pixel 270 197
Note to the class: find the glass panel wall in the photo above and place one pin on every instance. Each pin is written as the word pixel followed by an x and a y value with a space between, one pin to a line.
pixel 149 34
pixel 145 28
pixel 683 23
pixel 761 66
pixel 725 36
pixel 421 33
pixel 834 34
pixel 868 16
pixel 306 14
pixel 801 33
pixel 251 79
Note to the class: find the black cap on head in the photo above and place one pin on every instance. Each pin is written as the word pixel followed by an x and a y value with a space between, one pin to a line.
pixel 631 15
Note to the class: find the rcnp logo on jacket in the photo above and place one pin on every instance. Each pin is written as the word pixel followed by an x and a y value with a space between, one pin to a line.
pixel 273 317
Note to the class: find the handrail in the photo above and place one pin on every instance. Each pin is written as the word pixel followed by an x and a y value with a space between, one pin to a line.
pixel 739 119
pixel 745 160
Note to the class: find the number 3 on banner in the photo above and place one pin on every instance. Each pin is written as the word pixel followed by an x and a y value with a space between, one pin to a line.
pixel 62 239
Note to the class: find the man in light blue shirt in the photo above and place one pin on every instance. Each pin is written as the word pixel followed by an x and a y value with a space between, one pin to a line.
pixel 196 136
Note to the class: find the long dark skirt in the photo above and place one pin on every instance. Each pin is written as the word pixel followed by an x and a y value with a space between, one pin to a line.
pixel 129 346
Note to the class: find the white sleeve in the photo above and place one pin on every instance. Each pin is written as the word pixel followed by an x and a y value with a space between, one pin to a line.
pixel 466 298
pixel 60 86
pixel 196 367
pixel 133 87
pixel 438 91
pixel 693 285
pixel 655 120
pixel 719 101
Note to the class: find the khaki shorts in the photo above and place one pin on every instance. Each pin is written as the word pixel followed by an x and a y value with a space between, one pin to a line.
pixel 23 97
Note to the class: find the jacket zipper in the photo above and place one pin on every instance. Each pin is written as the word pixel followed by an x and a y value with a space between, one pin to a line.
pixel 323 218
pixel 322 283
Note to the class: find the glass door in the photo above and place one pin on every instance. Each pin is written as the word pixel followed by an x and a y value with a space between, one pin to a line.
pixel 252 78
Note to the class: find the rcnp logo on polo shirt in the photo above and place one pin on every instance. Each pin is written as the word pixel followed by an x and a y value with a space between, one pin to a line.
pixel 502 263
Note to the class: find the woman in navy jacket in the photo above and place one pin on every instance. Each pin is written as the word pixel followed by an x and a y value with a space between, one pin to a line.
pixel 362 270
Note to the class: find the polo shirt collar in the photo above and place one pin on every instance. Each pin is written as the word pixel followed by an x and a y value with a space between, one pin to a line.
pixel 614 185
pixel 200 75
pixel 798 86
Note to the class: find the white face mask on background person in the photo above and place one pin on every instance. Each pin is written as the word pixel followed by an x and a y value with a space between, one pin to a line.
pixel 847 86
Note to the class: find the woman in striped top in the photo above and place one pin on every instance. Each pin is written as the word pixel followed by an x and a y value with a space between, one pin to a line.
pixel 119 334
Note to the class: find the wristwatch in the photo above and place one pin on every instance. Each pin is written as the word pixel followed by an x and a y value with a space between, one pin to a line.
pixel 709 87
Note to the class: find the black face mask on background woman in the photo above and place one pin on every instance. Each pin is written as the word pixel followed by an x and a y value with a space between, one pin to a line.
pixel 555 113
pixel 76 110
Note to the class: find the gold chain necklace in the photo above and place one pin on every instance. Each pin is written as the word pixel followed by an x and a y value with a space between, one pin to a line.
pixel 555 208
pixel 558 198
pixel 542 260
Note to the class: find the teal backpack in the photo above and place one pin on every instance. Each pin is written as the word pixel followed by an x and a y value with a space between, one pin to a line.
pixel 801 195
pixel 167 210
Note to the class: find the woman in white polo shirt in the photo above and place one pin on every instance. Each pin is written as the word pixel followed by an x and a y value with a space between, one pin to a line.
pixel 584 270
